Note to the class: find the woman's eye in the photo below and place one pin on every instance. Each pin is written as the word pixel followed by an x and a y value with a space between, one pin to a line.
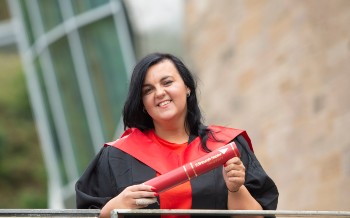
pixel 146 91
pixel 168 82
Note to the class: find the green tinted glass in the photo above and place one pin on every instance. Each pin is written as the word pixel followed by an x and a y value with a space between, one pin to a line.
pixel 107 71
pixel 26 21
pixel 81 6
pixel 57 148
pixel 72 103
pixel 51 17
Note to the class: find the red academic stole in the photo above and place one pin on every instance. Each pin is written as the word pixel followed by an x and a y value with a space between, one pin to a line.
pixel 141 147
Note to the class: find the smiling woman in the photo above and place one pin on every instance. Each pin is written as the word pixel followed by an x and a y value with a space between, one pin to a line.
pixel 164 131
pixel 164 98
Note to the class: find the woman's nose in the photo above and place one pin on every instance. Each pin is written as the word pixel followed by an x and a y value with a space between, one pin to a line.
pixel 160 92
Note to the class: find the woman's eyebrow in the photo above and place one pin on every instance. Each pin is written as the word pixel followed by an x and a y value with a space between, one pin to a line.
pixel 165 77
pixel 162 79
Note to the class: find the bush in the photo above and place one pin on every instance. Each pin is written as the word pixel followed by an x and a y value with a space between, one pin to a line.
pixel 22 171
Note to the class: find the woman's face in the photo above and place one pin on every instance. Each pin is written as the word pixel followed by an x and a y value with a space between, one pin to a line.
pixel 164 94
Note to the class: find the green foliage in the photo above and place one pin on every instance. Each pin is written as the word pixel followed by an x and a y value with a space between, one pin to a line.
pixel 22 171
pixel 4 12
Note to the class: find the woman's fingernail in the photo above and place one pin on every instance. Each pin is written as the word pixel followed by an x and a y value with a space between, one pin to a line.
pixel 153 189
pixel 225 165
pixel 156 194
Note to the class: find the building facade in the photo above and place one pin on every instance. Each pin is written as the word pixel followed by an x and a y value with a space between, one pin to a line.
pixel 77 56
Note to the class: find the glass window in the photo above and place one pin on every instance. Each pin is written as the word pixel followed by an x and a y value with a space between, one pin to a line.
pixel 53 131
pixel 107 71
pixel 50 13
pixel 26 22
pixel 80 6
pixel 72 103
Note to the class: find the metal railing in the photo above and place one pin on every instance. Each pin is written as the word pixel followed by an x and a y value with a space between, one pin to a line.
pixel 49 213
pixel 121 213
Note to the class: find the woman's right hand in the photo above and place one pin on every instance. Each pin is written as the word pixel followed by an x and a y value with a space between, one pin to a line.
pixel 132 197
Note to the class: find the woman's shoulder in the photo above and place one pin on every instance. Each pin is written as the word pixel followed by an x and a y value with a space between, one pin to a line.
pixel 226 132
pixel 112 152
pixel 224 128
pixel 107 156
pixel 231 133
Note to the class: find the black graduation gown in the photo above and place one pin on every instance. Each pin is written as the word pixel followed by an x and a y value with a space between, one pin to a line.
pixel 113 170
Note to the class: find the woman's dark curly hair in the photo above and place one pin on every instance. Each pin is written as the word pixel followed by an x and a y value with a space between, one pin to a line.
pixel 133 114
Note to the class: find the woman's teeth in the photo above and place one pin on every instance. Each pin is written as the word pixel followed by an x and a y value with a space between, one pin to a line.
pixel 164 103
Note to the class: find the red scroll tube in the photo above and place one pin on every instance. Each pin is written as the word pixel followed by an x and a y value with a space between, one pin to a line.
pixel 195 168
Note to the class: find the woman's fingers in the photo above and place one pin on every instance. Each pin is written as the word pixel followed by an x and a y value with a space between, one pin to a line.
pixel 234 173
pixel 234 164
pixel 138 196
pixel 141 187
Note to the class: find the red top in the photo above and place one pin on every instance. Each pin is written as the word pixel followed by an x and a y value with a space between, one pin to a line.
pixel 178 197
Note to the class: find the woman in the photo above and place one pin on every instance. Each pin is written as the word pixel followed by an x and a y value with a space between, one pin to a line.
pixel 164 130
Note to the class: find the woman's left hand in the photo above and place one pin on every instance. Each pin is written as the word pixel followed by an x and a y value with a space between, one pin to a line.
pixel 234 174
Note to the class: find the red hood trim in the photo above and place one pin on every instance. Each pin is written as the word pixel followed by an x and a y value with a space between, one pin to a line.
pixel 138 145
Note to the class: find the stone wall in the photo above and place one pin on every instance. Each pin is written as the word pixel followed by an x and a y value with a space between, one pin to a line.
pixel 281 70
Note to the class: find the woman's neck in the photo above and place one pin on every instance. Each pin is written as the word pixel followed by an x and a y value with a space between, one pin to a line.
pixel 174 135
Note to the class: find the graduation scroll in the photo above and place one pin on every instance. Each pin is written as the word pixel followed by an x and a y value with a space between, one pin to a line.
pixel 194 168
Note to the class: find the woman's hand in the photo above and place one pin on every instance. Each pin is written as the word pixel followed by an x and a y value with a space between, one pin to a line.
pixel 136 196
pixel 132 197
pixel 234 174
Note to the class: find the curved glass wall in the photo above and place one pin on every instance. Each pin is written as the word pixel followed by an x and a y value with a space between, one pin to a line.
pixel 77 55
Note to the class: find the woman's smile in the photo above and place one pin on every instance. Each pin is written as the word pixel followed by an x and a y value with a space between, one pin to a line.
pixel 164 103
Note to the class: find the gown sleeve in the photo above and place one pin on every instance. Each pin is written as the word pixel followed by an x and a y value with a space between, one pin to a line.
pixel 259 184
pixel 96 186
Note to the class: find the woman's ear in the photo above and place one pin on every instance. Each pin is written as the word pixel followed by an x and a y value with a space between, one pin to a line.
pixel 188 92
